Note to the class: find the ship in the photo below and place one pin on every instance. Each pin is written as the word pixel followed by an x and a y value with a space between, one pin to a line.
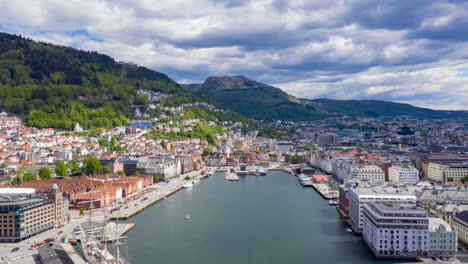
pixel 304 180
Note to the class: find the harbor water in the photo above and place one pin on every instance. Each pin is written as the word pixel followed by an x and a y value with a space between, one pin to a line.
pixel 256 220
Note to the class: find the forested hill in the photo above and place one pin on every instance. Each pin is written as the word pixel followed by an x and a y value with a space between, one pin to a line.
pixel 262 101
pixel 56 86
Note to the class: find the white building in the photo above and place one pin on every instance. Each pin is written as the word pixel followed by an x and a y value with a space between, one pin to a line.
pixel 395 229
pixel 359 196
pixel 438 172
pixel 403 174
pixel 367 173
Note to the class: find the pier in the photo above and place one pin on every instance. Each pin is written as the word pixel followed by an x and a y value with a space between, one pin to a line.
pixel 325 191
pixel 231 176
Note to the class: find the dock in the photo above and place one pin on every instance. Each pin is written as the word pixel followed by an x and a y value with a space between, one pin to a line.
pixel 325 191
pixel 231 176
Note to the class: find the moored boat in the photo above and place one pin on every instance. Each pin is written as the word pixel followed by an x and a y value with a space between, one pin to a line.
pixel 304 180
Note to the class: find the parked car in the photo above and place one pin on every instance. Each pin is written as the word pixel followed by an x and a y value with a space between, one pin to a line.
pixel 15 249
pixel 60 232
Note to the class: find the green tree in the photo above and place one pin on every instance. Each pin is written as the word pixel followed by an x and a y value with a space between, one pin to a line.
pixel 61 168
pixel 106 169
pixel 136 173
pixel 296 159
pixel 450 179
pixel 28 176
pixel 155 178
pixel 91 165
pixel 3 166
pixel 44 173
pixel 122 173
pixel 208 151
pixel 16 181
pixel 74 166
pixel 81 211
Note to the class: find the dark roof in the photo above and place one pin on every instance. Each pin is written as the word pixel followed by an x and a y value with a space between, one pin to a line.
pixel 54 254
pixel 462 216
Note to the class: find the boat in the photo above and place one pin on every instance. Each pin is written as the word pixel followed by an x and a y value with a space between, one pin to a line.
pixel 72 241
pixel 333 202
pixel 349 230
pixel 262 172
pixel 305 181
pixel 187 217
pixel 187 185
pixel 245 170
pixel 165 198
pixel 196 181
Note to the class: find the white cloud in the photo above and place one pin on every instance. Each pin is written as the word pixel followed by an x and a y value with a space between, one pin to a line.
pixel 334 49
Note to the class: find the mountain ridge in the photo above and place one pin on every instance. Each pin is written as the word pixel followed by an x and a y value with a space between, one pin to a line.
pixel 230 90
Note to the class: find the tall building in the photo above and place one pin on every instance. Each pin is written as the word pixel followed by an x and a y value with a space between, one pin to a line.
pixel 395 229
pixel 327 140
pixel 442 238
pixel 359 196
pixel 24 215
pixel 403 174
pixel 460 222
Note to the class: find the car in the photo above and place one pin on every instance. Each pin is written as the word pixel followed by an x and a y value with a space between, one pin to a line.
pixel 126 207
pixel 15 249
pixel 60 232
pixel 434 258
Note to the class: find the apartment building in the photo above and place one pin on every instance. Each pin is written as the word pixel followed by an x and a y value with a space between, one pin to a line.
pixel 403 174
pixel 395 229
pixel 359 196
pixel 440 172
pixel 460 223
pixel 366 173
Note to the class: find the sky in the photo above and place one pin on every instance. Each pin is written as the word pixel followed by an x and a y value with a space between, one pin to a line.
pixel 410 51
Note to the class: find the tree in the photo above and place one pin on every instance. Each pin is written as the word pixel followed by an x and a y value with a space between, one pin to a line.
pixel 16 181
pixel 28 176
pixel 296 159
pixel 208 151
pixel 81 211
pixel 44 173
pixel 91 165
pixel 155 178
pixel 61 168
pixel 450 179
pixel 106 169
pixel 122 173
pixel 74 166
pixel 136 173
pixel 464 179
pixel 3 166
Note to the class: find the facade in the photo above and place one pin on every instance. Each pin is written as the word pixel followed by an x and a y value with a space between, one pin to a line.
pixel 442 238
pixel 359 196
pixel 61 212
pixel 460 223
pixel 395 229
pixel 327 140
pixel 403 174
pixel 23 216
pixel 440 172
pixel 366 173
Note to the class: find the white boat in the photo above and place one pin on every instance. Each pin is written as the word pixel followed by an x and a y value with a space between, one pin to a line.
pixel 333 202
pixel 305 181
pixel 187 217
pixel 262 172
pixel 349 230
pixel 196 181
pixel 165 198
pixel 187 185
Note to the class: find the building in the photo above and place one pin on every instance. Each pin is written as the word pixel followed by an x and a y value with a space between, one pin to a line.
pixel 403 174
pixel 327 140
pixel 396 229
pixel 359 196
pixel 440 172
pixel 130 166
pixel 61 211
pixel 439 159
pixel 442 238
pixel 366 173
pixel 460 223
pixel 25 215
pixel 429 198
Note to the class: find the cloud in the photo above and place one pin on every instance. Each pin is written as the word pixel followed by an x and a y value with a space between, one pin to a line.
pixel 393 50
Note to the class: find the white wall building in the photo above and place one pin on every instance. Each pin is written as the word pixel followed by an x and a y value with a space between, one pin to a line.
pixel 395 229
pixel 367 173
pixel 359 196
pixel 403 174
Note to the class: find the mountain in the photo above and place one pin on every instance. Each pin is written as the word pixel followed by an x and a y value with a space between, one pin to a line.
pixel 56 86
pixel 255 100
pixel 261 101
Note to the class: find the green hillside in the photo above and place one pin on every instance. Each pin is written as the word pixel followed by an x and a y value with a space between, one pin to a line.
pixel 254 99
pixel 56 86
pixel 264 102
